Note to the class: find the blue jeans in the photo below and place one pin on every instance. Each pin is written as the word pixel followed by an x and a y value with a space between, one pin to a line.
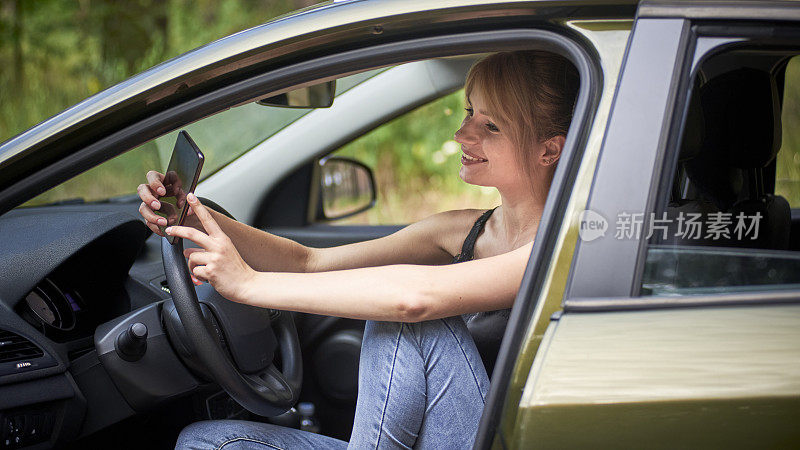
pixel 420 385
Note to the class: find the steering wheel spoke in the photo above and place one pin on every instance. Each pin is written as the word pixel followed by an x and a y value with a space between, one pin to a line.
pixel 249 376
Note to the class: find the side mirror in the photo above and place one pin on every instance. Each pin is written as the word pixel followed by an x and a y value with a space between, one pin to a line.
pixel 346 187
pixel 314 96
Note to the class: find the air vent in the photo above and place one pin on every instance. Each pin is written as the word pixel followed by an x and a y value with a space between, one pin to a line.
pixel 14 347
pixel 50 307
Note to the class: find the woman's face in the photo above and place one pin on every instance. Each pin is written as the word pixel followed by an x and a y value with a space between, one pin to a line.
pixel 488 157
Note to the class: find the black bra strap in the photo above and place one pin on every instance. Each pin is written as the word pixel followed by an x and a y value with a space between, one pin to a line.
pixel 468 249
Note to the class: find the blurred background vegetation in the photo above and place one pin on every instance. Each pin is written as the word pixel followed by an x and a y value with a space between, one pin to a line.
pixel 55 53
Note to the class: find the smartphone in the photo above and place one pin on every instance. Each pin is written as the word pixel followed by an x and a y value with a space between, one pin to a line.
pixel 180 179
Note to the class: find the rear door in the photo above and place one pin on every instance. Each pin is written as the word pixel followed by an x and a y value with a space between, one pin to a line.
pixel 668 338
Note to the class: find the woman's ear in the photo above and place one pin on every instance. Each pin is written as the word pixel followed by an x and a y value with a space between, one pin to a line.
pixel 552 150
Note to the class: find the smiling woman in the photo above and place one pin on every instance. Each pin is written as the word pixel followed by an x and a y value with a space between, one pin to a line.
pixel 401 284
pixel 269 178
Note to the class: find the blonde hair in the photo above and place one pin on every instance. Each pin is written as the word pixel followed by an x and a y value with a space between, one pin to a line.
pixel 531 94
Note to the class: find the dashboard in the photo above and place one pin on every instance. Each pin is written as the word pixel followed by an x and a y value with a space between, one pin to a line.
pixel 66 270
pixel 73 278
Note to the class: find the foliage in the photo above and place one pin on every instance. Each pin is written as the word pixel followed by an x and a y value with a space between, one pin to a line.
pixel 62 52
pixel 416 163
pixel 56 53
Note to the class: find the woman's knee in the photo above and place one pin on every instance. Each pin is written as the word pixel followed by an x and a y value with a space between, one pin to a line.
pixel 374 329
pixel 228 435
pixel 199 435
pixel 379 333
pixel 240 434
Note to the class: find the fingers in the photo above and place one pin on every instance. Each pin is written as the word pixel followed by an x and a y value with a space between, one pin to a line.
pixel 192 234
pixel 154 180
pixel 202 213
pixel 150 216
pixel 150 202
pixel 196 259
pixel 154 228
pixel 188 252
pixel 147 196
pixel 200 272
pixel 192 264
pixel 200 258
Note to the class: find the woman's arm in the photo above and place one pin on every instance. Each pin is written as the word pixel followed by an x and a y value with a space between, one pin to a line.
pixel 396 292
pixel 402 293
pixel 261 250
pixel 419 243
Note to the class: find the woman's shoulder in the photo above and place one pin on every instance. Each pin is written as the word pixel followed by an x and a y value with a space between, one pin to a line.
pixel 453 218
pixel 451 227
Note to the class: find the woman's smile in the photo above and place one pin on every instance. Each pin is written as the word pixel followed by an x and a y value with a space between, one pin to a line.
pixel 487 154
pixel 469 159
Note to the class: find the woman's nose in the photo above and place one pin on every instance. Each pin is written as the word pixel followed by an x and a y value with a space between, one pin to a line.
pixel 465 134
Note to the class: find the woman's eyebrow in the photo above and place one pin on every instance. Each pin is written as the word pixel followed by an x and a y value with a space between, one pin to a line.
pixel 480 111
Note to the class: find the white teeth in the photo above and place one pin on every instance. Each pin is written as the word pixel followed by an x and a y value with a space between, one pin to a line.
pixel 470 158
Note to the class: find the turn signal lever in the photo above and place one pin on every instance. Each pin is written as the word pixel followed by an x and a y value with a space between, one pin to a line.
pixel 132 343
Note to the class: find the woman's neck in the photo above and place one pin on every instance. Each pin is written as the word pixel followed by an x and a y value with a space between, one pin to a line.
pixel 521 212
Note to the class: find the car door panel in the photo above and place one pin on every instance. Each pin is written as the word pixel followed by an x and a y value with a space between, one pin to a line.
pixel 667 378
pixel 617 370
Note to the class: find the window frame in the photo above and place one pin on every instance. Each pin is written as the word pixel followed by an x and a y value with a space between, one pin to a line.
pixel 534 35
pixel 622 289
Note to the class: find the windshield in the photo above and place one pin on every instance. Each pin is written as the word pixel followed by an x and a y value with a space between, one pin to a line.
pixel 222 138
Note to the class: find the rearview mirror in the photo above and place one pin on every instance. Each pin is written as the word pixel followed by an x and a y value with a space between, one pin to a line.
pixel 314 96
pixel 346 187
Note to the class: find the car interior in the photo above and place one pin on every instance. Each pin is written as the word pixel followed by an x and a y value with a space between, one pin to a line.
pixel 728 167
pixel 82 277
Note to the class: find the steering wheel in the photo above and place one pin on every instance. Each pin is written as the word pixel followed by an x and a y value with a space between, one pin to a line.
pixel 234 343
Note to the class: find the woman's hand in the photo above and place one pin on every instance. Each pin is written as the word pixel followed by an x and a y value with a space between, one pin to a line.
pixel 217 262
pixel 150 193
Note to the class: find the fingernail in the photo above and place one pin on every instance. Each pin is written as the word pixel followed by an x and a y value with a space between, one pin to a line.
pixel 168 230
pixel 191 197
pixel 161 191
pixel 154 204
pixel 162 221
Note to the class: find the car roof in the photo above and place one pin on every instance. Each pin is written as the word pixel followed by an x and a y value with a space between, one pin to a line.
pixel 224 60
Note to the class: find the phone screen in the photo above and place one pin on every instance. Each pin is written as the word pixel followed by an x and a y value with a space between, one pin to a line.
pixel 180 179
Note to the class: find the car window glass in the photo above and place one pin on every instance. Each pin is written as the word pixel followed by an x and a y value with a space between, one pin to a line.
pixel 222 138
pixel 787 176
pixel 728 224
pixel 415 162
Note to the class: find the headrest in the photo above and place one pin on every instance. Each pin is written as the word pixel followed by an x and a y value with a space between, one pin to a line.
pixel 719 184
pixel 743 118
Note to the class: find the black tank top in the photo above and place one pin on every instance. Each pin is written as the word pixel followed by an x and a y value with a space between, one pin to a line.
pixel 486 328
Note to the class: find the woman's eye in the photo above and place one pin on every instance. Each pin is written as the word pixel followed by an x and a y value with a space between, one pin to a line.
pixel 469 111
pixel 492 127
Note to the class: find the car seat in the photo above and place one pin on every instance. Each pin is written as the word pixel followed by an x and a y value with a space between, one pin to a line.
pixel 732 135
